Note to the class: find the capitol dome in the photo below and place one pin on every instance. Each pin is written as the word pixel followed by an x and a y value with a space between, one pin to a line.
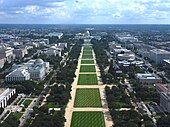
pixel 39 61
pixel 53 47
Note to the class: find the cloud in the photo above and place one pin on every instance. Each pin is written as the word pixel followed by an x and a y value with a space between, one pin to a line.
pixel 33 9
pixel 86 11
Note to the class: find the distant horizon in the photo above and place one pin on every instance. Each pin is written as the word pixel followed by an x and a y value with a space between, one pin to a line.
pixel 73 24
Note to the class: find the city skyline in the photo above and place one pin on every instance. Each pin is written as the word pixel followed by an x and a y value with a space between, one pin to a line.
pixel 85 12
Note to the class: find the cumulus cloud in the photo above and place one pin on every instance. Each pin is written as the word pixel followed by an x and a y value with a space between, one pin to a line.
pixel 86 11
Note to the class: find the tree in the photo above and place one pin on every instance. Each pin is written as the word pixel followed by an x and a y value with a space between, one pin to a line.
pixel 164 121
pixel 1 110
pixel 10 121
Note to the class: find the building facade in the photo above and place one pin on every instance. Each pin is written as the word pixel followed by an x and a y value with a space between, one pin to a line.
pixel 33 69
pixel 165 101
pixel 7 53
pixel 164 92
pixel 5 95
pixel 148 78
pixel 20 53
pixel 158 55
pixel 18 75
pixel 2 62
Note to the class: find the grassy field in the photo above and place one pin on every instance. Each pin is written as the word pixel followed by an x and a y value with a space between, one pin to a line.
pixel 87 57
pixel 87 61
pixel 87 119
pixel 87 68
pixel 87 98
pixel 87 48
pixel 51 105
pixel 17 115
pixel 87 52
pixel 87 79
pixel 27 102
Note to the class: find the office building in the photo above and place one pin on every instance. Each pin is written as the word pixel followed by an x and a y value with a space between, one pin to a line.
pixel 148 78
pixel 164 91
pixel 158 55
pixel 165 101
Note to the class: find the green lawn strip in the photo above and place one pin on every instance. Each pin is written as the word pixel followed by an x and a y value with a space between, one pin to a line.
pixel 87 68
pixel 17 115
pixel 28 122
pixel 87 61
pixel 87 119
pixel 51 105
pixel 27 102
pixel 87 48
pixel 89 97
pixel 87 52
pixel 20 102
pixel 87 79
pixel 87 57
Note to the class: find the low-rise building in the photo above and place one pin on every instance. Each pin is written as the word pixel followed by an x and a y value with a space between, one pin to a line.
pixel 20 53
pixel 148 78
pixel 33 69
pixel 2 62
pixel 7 53
pixel 126 37
pixel 18 75
pixel 53 50
pixel 126 56
pixel 62 46
pixel 57 34
pixel 125 63
pixel 5 95
pixel 118 49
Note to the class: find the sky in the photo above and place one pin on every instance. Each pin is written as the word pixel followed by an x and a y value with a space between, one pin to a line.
pixel 84 11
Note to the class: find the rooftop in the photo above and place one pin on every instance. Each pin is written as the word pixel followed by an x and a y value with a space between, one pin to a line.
pixel 163 87
pixel 22 71
pixel 160 51
pixel 167 61
pixel 147 76
pixel 2 90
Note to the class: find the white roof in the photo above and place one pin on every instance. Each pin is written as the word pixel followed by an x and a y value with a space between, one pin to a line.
pixel 160 51
pixel 147 76
pixel 20 72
